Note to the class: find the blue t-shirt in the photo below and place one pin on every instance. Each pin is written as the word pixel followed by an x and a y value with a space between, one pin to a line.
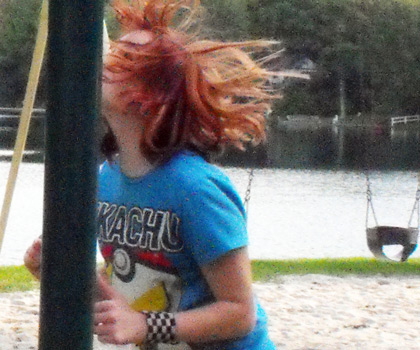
pixel 157 230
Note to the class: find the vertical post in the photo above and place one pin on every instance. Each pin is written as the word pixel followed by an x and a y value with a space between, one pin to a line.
pixel 67 276
pixel 342 100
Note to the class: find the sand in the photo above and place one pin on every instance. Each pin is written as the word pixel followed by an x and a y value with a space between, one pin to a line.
pixel 305 313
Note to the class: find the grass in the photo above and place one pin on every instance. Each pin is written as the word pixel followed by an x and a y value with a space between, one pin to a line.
pixel 264 270
pixel 17 278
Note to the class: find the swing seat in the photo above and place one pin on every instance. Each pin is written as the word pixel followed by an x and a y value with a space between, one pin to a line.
pixel 379 236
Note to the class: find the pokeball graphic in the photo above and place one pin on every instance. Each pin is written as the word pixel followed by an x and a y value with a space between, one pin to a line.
pixel 123 265
pixel 147 279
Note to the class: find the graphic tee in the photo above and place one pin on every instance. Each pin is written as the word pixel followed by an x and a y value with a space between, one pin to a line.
pixel 155 232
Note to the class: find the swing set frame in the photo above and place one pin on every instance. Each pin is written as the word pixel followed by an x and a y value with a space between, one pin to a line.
pixel 74 30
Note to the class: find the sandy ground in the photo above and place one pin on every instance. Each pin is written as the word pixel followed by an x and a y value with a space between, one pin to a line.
pixel 305 313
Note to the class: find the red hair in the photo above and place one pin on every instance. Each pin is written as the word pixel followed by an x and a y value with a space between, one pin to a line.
pixel 186 92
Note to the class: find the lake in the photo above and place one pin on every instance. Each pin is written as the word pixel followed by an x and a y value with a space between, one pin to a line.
pixel 308 195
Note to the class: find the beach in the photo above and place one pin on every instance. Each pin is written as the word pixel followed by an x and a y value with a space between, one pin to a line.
pixel 305 313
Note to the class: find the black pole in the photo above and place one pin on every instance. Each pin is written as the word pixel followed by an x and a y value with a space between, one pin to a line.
pixel 69 247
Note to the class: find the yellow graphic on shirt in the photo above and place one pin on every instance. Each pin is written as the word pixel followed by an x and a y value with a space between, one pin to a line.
pixel 154 299
pixel 150 290
pixel 108 270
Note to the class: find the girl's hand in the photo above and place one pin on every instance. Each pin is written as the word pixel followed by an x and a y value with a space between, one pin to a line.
pixel 115 322
pixel 33 258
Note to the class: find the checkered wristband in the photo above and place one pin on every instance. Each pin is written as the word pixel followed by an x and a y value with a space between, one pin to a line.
pixel 160 327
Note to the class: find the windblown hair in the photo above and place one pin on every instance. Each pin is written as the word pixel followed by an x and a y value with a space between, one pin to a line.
pixel 188 93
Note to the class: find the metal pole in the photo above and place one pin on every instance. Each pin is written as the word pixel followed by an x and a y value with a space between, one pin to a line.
pixel 68 268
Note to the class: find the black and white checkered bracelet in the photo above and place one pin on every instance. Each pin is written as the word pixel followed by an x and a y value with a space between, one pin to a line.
pixel 160 327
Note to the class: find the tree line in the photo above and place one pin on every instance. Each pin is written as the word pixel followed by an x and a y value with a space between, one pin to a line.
pixel 371 48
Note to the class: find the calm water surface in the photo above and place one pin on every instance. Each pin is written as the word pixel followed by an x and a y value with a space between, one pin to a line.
pixel 308 196
pixel 293 213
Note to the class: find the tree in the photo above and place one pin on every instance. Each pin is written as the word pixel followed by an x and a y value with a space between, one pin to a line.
pixel 226 19
pixel 18 27
pixel 371 45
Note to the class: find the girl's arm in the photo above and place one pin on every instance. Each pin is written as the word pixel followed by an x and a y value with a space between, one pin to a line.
pixel 231 316
pixel 32 258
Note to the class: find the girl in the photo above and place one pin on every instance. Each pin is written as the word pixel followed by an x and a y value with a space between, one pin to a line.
pixel 171 227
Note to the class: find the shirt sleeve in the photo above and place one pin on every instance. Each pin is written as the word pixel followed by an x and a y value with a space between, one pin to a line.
pixel 213 221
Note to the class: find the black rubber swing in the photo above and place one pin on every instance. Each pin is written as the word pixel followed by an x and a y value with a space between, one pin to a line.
pixel 380 236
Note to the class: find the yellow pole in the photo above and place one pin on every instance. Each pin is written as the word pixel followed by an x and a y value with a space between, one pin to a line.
pixel 25 117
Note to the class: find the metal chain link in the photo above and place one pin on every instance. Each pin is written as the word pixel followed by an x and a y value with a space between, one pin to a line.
pixel 369 201
pixel 416 206
pixel 248 190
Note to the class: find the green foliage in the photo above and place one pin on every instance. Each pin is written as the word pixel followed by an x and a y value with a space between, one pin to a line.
pixel 18 27
pixel 371 45
pixel 297 100
pixel 111 22
pixel 225 19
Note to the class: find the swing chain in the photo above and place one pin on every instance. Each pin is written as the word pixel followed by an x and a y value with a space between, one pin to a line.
pixel 368 190
pixel 248 190
pixel 369 202
pixel 416 207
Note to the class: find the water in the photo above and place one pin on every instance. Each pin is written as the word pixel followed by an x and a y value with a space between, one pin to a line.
pixel 308 197
pixel 337 148
pixel 294 146
pixel 25 217
pixel 292 213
